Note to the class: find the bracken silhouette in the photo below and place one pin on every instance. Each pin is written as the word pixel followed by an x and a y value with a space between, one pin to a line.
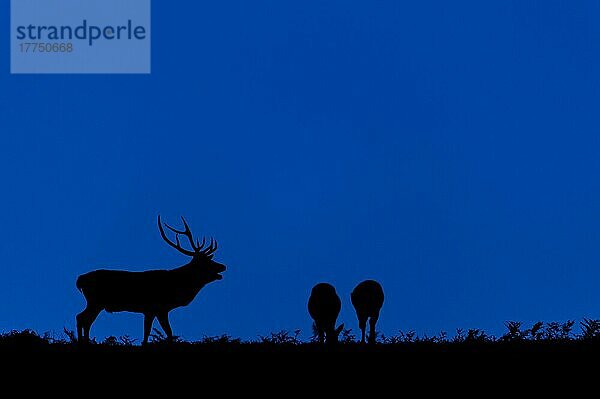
pixel 367 299
pixel 324 307
pixel 153 293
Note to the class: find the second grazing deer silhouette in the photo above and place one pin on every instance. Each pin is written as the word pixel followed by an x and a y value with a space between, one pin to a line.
pixel 153 293
pixel 367 299
pixel 324 307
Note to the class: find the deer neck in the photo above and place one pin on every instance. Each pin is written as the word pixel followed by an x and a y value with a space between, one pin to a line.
pixel 192 276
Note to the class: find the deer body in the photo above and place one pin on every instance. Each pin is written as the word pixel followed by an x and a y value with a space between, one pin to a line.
pixel 324 306
pixel 141 292
pixel 153 293
pixel 367 299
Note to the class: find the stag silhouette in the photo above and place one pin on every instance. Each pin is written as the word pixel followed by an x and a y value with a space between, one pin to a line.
pixel 367 299
pixel 153 293
pixel 324 307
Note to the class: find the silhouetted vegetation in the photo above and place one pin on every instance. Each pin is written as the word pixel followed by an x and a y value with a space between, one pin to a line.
pixel 281 338
pixel 559 334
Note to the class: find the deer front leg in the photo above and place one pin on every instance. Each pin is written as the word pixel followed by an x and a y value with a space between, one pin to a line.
pixel 85 320
pixel 163 319
pixel 148 319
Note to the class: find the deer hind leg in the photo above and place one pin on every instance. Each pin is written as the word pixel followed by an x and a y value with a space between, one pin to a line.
pixel 80 318
pixel 372 332
pixel 330 336
pixel 321 335
pixel 85 320
pixel 163 319
pixel 148 319
pixel 362 324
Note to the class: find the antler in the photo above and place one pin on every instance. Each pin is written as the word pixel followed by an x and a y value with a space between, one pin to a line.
pixel 212 248
pixel 197 247
pixel 177 246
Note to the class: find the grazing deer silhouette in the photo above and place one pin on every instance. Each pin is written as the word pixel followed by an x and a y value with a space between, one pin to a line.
pixel 153 293
pixel 324 307
pixel 367 299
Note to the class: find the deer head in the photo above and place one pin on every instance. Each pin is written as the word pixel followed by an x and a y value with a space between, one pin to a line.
pixel 202 257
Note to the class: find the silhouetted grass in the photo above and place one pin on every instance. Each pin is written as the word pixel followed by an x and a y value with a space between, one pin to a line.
pixel 538 338
pixel 405 357
pixel 281 338
pixel 465 353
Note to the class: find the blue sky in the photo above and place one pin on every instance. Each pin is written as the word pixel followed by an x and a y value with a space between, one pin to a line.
pixel 447 149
